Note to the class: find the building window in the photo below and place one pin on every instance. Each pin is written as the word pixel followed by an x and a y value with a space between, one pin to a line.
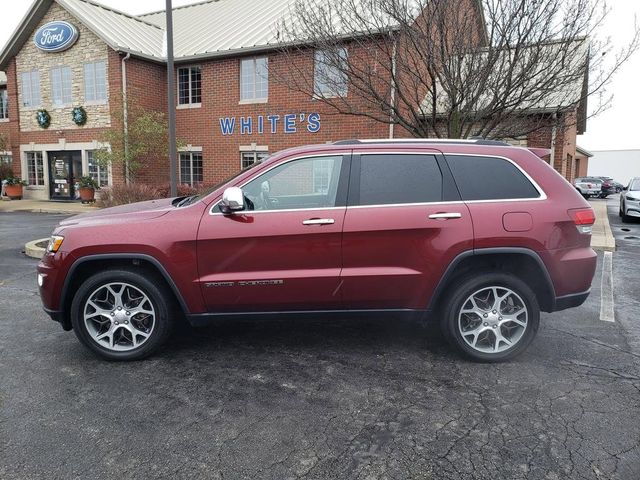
pixel 189 86
pixel 322 175
pixel 61 86
pixel 4 104
pixel 31 89
pixel 330 73
pixel 98 172
pixel 6 159
pixel 191 168
pixel 254 79
pixel 95 82
pixel 249 158
pixel 35 168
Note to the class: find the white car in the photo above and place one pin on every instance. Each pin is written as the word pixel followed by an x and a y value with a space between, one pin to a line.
pixel 630 200
pixel 588 186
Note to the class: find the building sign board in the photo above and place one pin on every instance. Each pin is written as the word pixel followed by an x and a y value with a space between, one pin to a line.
pixel 55 36
pixel 273 124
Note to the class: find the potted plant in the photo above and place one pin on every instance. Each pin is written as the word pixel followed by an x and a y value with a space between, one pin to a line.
pixel 88 187
pixel 13 187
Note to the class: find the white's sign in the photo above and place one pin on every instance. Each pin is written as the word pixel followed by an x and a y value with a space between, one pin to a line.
pixel 55 36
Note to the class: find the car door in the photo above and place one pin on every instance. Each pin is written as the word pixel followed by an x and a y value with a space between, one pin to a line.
pixel 404 224
pixel 283 252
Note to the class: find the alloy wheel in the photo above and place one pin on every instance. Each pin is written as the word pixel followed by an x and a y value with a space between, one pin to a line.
pixel 119 316
pixel 493 319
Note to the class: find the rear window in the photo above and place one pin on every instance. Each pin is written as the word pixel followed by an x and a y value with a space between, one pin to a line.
pixel 399 179
pixel 489 178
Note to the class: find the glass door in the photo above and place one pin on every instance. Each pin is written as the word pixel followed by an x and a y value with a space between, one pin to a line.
pixel 62 166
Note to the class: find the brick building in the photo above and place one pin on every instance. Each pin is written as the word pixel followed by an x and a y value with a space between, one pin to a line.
pixel 230 112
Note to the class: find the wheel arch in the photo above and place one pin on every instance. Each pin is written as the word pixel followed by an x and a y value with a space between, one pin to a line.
pixel 523 262
pixel 82 268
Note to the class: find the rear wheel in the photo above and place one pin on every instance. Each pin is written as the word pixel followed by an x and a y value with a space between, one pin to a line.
pixel 491 318
pixel 121 315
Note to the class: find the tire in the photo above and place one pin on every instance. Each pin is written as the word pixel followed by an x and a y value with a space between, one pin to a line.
pixel 625 218
pixel 488 348
pixel 620 212
pixel 586 196
pixel 128 311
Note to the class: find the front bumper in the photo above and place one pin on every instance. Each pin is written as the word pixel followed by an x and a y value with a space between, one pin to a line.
pixel 59 317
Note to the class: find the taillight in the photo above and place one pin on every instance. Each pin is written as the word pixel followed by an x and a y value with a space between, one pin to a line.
pixel 583 218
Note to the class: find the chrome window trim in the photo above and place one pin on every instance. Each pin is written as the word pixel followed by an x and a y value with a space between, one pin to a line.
pixel 339 153
pixel 543 195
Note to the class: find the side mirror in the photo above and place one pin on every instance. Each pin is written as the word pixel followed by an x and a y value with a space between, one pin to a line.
pixel 232 200
pixel 625 188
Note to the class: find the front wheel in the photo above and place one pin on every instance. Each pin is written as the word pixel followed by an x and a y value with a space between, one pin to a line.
pixel 491 318
pixel 121 315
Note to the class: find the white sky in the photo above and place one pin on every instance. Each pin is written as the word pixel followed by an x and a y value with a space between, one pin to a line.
pixel 617 128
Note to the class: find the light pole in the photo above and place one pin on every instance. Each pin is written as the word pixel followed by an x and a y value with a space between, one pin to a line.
pixel 171 94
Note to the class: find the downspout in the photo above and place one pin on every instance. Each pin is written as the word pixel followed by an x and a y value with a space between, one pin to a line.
pixel 125 117
pixel 554 132
pixel 393 86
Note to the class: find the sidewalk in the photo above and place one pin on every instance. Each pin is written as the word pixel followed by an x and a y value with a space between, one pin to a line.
pixel 39 206
pixel 602 238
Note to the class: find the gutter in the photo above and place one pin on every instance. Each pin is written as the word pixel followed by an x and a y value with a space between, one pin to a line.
pixel 554 134
pixel 125 116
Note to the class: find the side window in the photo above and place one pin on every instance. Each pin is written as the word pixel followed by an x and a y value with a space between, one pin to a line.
pixel 394 179
pixel 296 184
pixel 489 178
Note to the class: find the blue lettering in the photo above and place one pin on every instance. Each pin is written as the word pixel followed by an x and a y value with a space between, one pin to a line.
pixel 273 119
pixel 314 123
pixel 260 124
pixel 290 123
pixel 246 125
pixel 227 125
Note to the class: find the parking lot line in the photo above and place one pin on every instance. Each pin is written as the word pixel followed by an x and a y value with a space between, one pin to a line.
pixel 606 289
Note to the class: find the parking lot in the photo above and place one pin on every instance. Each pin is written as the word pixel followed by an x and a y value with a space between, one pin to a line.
pixel 369 399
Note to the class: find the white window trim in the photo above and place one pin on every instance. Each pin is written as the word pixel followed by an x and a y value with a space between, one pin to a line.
pixel 249 101
pixel 190 149
pixel 6 90
pixel 254 148
pixel 85 165
pixel 319 95
pixel 106 83
pixel 60 106
pixel 21 87
pixel 189 105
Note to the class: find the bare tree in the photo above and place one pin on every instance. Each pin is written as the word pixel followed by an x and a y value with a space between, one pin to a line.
pixel 453 68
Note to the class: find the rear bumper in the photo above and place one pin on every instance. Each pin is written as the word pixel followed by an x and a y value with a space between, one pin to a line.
pixel 570 301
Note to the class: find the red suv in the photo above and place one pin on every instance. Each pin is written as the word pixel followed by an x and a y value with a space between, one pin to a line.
pixel 476 234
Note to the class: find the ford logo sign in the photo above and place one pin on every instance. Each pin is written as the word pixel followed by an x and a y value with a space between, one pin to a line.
pixel 55 36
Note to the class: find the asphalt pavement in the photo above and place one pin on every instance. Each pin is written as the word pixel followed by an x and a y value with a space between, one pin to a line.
pixel 369 399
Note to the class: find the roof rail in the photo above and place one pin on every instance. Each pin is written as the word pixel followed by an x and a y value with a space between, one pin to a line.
pixel 474 141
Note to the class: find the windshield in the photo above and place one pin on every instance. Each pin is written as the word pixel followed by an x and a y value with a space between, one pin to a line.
pixel 231 178
pixel 635 185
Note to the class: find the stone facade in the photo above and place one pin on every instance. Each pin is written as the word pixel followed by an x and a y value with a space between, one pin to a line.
pixel 88 48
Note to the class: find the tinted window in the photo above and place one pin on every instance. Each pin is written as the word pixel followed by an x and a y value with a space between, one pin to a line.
pixel 489 178
pixel 391 179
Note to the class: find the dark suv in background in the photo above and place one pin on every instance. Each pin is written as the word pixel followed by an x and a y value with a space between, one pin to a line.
pixel 477 235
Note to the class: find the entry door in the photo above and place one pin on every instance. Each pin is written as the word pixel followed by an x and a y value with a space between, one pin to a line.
pixel 284 251
pixel 404 225
pixel 64 169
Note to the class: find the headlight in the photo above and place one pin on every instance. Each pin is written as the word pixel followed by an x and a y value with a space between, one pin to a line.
pixel 633 199
pixel 55 242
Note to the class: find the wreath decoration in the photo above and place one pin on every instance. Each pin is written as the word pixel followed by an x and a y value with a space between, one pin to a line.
pixel 43 118
pixel 79 116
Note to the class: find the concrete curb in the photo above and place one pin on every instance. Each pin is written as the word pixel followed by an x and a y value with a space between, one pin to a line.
pixel 602 238
pixel 31 249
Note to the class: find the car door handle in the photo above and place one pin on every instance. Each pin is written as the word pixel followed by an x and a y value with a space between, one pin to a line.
pixel 319 221
pixel 445 216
